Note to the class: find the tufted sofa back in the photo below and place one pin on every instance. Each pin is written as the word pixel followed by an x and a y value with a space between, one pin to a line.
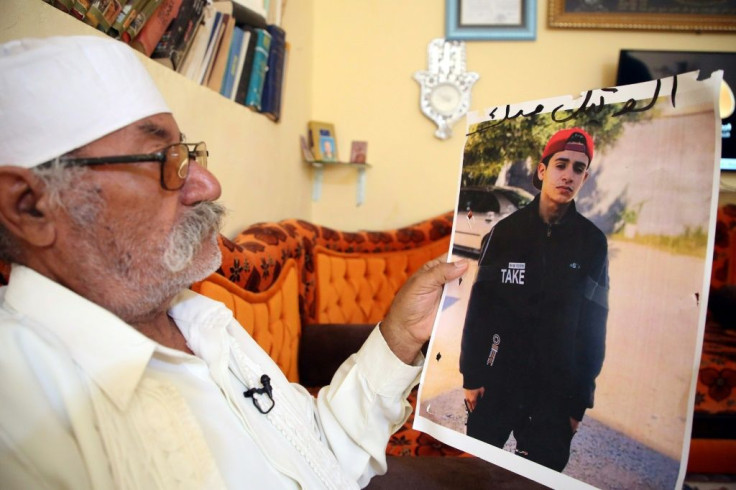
pixel 354 287
pixel 271 273
pixel 271 317
pixel 254 258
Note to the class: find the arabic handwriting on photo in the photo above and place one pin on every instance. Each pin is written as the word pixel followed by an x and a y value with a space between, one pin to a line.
pixel 585 107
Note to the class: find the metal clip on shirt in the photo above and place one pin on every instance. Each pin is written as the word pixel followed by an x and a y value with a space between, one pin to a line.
pixel 266 390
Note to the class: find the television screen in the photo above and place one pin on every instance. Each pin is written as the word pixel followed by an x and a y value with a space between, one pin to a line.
pixel 636 65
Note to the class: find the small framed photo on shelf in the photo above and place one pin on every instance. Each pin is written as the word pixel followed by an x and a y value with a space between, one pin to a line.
pixel 306 152
pixel 358 151
pixel 322 141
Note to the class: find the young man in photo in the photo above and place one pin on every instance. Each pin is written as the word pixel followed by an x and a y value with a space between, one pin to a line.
pixel 534 335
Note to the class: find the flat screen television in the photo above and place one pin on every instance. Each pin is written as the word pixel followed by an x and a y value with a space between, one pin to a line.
pixel 637 65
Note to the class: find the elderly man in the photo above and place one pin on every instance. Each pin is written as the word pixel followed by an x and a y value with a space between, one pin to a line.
pixel 535 328
pixel 112 373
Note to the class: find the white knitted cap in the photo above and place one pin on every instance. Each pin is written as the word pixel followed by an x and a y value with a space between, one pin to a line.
pixel 60 93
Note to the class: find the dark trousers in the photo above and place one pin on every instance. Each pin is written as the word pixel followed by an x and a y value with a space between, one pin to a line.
pixel 543 438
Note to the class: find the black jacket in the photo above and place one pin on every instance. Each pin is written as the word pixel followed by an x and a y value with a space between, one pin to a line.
pixel 535 327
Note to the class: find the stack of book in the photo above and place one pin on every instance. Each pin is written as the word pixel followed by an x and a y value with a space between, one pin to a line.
pixel 235 47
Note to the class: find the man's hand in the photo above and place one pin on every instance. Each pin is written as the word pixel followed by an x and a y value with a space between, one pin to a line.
pixel 408 323
pixel 472 397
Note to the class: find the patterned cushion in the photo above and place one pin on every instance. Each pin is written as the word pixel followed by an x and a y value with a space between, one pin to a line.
pixel 716 385
pixel 724 249
pixel 254 258
pixel 408 441
pixel 271 317
pixel 359 287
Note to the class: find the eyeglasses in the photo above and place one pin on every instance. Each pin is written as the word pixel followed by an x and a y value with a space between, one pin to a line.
pixel 174 160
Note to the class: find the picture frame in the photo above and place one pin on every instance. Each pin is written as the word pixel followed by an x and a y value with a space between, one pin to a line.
pixel 483 20
pixel 322 141
pixel 358 151
pixel 656 15
pixel 460 375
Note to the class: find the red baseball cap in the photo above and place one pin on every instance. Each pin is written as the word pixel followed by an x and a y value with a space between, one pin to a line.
pixel 573 139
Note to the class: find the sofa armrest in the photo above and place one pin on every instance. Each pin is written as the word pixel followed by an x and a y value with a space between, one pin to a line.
pixel 324 347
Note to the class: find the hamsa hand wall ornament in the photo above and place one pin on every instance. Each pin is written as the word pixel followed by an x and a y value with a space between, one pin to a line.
pixel 445 85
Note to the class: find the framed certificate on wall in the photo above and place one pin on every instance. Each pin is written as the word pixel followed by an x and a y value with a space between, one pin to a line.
pixel 479 20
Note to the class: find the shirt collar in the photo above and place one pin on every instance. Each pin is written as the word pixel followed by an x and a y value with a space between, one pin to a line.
pixel 111 352
pixel 534 211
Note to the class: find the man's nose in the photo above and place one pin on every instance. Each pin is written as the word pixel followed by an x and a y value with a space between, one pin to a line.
pixel 201 185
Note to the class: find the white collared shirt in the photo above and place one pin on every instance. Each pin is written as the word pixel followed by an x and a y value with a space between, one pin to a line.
pixel 89 402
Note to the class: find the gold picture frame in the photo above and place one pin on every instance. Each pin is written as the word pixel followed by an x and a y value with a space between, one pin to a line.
pixel 653 15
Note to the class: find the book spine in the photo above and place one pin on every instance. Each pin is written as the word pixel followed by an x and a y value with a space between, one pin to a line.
pixel 244 81
pixel 222 54
pixel 190 63
pixel 125 17
pixel 102 13
pixel 177 39
pixel 63 5
pixel 271 97
pixel 258 72
pixel 241 73
pixel 140 20
pixel 79 10
pixel 233 61
pixel 153 31
pixel 212 45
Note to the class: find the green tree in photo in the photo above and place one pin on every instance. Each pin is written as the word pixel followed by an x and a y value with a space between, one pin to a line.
pixel 492 145
pixel 513 147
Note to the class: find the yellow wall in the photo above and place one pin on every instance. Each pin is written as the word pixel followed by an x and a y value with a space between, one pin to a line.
pixel 351 63
pixel 365 53
pixel 258 162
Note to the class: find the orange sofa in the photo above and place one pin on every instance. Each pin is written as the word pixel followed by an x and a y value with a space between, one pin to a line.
pixel 310 295
pixel 349 278
pixel 308 292
pixel 280 278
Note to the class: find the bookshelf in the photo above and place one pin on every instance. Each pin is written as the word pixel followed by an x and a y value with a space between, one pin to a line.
pixel 253 158
pixel 234 47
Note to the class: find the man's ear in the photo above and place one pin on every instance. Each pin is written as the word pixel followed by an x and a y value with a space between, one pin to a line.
pixel 24 207
pixel 541 169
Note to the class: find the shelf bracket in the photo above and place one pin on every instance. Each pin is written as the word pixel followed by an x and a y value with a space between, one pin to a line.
pixel 317 181
pixel 319 177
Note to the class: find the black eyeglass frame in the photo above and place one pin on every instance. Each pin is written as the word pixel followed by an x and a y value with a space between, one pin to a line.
pixel 160 156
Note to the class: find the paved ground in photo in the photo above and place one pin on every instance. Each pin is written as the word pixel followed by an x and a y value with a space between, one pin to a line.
pixel 652 328
pixel 633 437
pixel 600 456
